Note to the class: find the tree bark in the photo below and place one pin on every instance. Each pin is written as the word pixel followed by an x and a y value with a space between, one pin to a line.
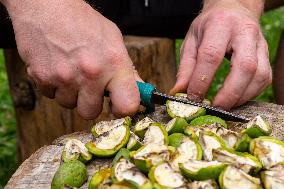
pixel 41 120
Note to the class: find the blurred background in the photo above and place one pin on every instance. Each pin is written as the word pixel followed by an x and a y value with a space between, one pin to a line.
pixel 272 23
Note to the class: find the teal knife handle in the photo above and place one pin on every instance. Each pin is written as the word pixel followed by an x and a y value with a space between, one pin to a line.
pixel 146 90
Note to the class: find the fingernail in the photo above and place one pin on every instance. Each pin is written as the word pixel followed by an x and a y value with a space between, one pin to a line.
pixel 193 97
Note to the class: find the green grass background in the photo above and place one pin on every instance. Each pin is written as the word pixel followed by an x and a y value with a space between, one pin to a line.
pixel 272 25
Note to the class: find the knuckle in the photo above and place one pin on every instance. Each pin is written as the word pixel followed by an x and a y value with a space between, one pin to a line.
pixel 211 54
pixel 89 69
pixel 65 75
pixel 248 64
pixel 222 16
pixel 116 57
pixel 251 28
pixel 40 78
pixel 264 76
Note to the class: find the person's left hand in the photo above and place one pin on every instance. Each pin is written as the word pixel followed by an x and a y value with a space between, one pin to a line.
pixel 225 27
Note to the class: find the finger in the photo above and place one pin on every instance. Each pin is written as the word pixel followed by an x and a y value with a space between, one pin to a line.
pixel 44 87
pixel 262 77
pixel 66 97
pixel 187 63
pixel 244 65
pixel 136 75
pixel 209 56
pixel 124 94
pixel 90 100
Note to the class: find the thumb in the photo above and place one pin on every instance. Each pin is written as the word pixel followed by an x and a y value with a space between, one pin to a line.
pixel 124 94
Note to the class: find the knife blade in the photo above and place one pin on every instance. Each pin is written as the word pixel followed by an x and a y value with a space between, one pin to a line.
pixel 161 98
pixel 150 95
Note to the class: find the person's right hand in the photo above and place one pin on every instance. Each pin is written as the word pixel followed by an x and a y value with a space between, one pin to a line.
pixel 74 54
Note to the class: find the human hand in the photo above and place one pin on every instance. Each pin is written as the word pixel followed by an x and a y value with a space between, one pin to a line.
pixel 74 54
pixel 225 26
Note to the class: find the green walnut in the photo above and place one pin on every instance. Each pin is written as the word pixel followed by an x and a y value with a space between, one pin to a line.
pixel 105 126
pixel 268 150
pixel 208 120
pixel 188 149
pixel 242 160
pixel 201 170
pixel 204 184
pixel 175 139
pixel 242 145
pixel 233 178
pixel 176 125
pixel 100 179
pixel 141 126
pixel 134 142
pixel 150 155
pixel 209 141
pixel 72 174
pixel 108 144
pixel 257 127
pixel 273 178
pixel 166 177
pixel 74 149
pixel 124 172
pixel 156 133
pixel 185 111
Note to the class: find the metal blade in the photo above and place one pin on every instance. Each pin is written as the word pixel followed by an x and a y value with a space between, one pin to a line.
pixel 161 98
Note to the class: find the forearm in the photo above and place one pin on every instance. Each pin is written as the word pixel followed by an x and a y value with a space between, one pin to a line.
pixel 20 8
pixel 254 6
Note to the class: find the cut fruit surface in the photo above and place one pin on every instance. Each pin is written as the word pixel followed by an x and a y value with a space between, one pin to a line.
pixel 141 126
pixel 176 125
pixel 257 127
pixel 187 150
pixel 156 133
pixel 201 170
pixel 150 155
pixel 208 142
pixel 273 178
pixel 233 178
pixel 244 161
pixel 165 176
pixel 185 111
pixel 110 142
pixel 74 149
pixel 206 184
pixel 268 150
pixel 134 142
pixel 105 126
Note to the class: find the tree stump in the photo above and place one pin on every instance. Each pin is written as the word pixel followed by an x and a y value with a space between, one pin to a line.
pixel 38 170
pixel 41 120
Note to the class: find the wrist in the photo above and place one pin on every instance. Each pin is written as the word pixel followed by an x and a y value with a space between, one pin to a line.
pixel 253 6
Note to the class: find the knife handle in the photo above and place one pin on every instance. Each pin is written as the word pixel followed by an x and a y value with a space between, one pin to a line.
pixel 146 90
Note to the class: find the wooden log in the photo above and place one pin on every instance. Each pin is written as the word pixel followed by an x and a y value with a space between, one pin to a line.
pixel 38 170
pixel 41 120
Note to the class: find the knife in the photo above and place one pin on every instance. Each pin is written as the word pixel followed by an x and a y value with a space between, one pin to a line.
pixel 150 95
